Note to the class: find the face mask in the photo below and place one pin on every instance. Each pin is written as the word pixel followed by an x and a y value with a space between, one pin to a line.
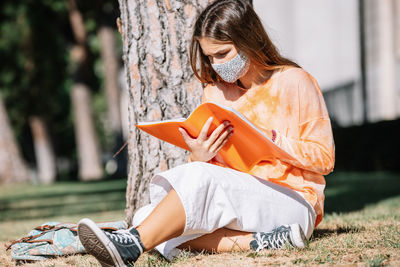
pixel 233 69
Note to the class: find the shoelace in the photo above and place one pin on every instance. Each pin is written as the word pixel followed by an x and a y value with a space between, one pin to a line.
pixel 273 240
pixel 122 236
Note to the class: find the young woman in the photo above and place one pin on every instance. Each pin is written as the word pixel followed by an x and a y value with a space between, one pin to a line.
pixel 204 205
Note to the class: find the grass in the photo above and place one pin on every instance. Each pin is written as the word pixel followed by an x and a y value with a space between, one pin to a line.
pixel 21 202
pixel 361 226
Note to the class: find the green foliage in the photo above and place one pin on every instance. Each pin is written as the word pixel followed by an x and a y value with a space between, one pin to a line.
pixel 35 80
pixel 37 73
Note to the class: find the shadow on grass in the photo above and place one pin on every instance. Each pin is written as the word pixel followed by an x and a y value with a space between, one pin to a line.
pixel 31 202
pixel 345 192
pixel 351 191
pixel 321 233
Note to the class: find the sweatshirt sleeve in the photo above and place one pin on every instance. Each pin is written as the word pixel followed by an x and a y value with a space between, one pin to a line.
pixel 314 148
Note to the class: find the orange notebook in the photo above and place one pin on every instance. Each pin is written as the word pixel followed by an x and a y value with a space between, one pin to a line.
pixel 244 149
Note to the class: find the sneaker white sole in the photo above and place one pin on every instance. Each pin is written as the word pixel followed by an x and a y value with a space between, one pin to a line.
pixel 297 236
pixel 97 244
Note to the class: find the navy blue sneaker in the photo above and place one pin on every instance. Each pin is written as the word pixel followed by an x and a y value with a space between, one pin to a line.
pixel 118 248
pixel 291 235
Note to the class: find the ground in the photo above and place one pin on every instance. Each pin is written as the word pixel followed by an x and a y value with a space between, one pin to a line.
pixel 361 226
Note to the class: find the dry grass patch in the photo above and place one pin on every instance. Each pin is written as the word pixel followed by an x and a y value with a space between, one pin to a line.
pixel 368 234
pixel 370 237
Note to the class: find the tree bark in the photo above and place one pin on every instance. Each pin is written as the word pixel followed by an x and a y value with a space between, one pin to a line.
pixel 13 168
pixel 156 36
pixel 89 155
pixel 45 158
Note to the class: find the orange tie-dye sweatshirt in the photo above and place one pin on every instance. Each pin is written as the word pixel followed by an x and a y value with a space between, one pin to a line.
pixel 290 103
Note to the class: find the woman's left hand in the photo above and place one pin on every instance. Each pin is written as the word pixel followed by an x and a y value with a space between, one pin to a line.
pixel 204 148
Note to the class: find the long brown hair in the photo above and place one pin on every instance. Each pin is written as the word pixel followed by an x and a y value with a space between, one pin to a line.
pixel 233 21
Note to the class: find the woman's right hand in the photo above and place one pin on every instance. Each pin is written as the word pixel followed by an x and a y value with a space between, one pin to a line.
pixel 205 148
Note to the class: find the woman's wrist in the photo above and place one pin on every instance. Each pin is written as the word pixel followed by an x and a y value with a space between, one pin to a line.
pixel 193 158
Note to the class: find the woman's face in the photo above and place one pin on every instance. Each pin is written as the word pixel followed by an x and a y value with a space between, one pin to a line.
pixel 217 52
pixel 225 59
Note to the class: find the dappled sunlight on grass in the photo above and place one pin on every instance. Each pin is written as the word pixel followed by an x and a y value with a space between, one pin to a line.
pixel 66 198
pixel 361 225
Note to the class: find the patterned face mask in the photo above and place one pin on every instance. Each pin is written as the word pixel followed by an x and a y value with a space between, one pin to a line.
pixel 233 69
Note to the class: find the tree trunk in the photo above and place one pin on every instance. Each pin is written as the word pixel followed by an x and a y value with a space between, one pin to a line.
pixel 12 167
pixel 89 155
pixel 156 36
pixel 111 70
pixel 86 138
pixel 45 158
pixel 110 73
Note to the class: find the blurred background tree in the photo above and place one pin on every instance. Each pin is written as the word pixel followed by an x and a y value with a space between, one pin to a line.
pixel 12 165
pixel 47 59
pixel 81 96
pixel 34 84
pixel 42 61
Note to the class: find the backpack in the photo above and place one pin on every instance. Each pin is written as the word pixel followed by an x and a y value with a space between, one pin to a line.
pixel 53 239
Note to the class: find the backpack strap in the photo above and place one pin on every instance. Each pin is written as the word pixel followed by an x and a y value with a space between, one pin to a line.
pixel 47 228
pixel 28 239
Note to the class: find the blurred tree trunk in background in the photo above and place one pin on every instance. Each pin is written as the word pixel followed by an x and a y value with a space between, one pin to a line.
pixel 397 27
pixel 12 166
pixel 43 147
pixel 156 36
pixel 90 167
pixel 89 155
pixel 110 72
pixel 45 158
pixel 111 68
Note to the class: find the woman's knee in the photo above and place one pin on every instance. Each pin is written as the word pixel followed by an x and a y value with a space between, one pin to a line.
pixel 306 220
pixel 196 174
pixel 141 214
pixel 196 165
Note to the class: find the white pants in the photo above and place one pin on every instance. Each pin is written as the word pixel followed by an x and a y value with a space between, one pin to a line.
pixel 214 197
